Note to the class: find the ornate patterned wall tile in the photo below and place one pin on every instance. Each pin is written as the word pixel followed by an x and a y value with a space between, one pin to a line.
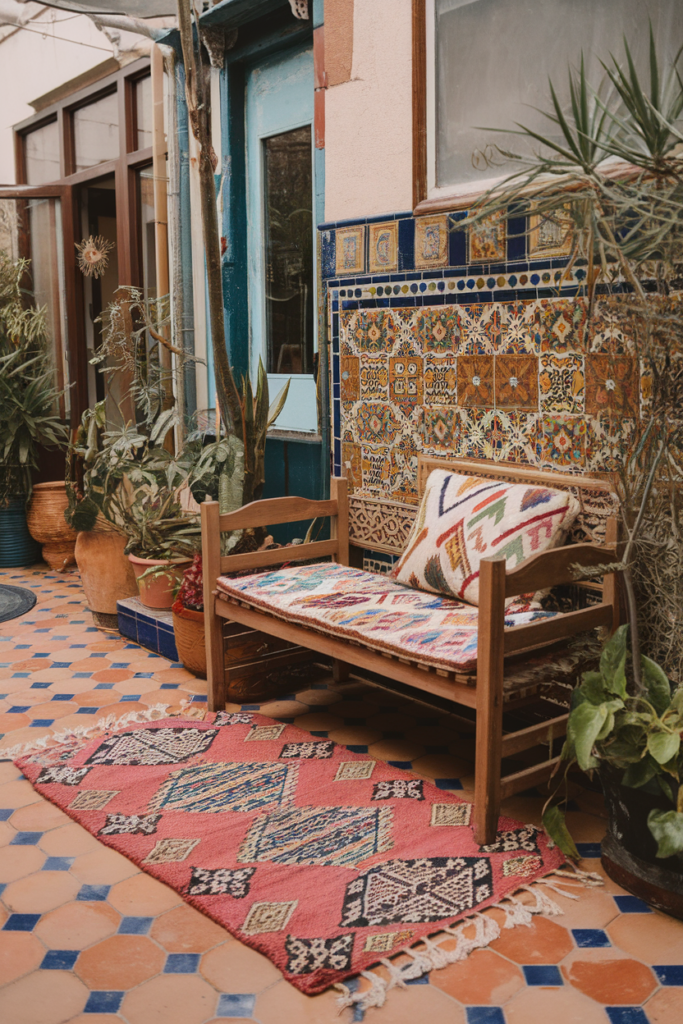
pixel 351 462
pixel 519 328
pixel 350 250
pixel 550 234
pixel 431 242
pixel 562 442
pixel 522 436
pixel 405 382
pixel 350 378
pixel 516 382
pixel 380 524
pixel 374 379
pixel 563 325
pixel 376 468
pixel 437 329
pixel 612 329
pixel 377 422
pixel 475 381
pixel 486 241
pixel 561 383
pixel 609 442
pixel 383 247
pixel 480 328
pixel 439 428
pixel 473 437
pixel 404 465
pixel 440 380
pixel 373 332
pixel 611 385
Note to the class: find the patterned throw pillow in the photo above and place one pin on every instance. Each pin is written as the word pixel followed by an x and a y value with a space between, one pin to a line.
pixel 463 519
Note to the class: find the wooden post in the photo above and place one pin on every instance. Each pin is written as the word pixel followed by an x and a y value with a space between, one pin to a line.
pixel 339 524
pixel 213 627
pixel 489 699
pixel 610 583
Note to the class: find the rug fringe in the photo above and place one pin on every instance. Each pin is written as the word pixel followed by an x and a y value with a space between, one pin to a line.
pixel 429 954
pixel 79 733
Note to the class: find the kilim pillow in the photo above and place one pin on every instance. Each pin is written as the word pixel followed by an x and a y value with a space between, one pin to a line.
pixel 463 519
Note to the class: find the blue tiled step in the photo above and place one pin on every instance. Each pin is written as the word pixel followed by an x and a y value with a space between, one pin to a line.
pixel 150 627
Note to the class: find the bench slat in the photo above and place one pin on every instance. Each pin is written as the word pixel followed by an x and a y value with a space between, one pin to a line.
pixel 272 511
pixel 547 631
pixel 511 784
pixel 296 553
pixel 552 568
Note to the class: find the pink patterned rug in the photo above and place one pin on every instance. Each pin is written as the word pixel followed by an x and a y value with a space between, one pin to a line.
pixel 325 861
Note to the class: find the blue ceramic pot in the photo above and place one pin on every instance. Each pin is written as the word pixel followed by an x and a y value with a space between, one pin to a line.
pixel 17 546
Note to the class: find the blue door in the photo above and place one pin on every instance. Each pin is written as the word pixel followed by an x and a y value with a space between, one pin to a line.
pixel 281 230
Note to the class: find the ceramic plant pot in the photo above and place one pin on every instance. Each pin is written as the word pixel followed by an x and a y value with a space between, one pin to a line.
pixel 17 546
pixel 106 574
pixel 188 626
pixel 48 526
pixel 156 591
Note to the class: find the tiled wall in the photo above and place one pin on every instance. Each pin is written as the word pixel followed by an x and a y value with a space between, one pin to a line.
pixel 474 359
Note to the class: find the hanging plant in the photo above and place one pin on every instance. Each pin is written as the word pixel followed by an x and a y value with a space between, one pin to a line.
pixel 93 255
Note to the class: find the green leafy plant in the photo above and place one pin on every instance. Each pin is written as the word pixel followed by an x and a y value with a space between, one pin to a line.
pixel 28 395
pixel 638 734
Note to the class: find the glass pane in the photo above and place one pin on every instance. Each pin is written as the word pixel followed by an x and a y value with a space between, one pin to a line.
pixel 288 178
pixel 47 278
pixel 41 150
pixel 98 217
pixel 143 112
pixel 147 233
pixel 494 57
pixel 96 132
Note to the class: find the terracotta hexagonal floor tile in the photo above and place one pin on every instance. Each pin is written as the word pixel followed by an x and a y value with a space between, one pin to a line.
pixel 18 793
pixel 564 1005
pixel 234 967
pixel 360 708
pixel 120 963
pixel 97 1018
pixel 185 930
pixel 354 735
pixel 170 999
pixel 17 861
pixel 284 1004
pixel 7 833
pixel 315 698
pixel 542 942
pixel 8 773
pixel 43 997
pixel 483 979
pixel 653 938
pixel 40 892
pixel 284 709
pixel 617 981
pixel 96 698
pixel 143 896
pixel 396 750
pixel 665 1006
pixel 104 866
pixel 441 766
pixel 20 952
pixel 77 925
pixel 320 721
pixel 39 817
pixel 68 841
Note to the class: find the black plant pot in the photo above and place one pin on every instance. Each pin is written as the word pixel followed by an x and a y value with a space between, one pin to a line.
pixel 629 851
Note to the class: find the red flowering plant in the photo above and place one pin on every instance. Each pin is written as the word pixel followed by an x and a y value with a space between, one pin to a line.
pixel 190 593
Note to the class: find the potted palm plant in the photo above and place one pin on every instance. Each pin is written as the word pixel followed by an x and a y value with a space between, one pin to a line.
pixel 612 174
pixel 28 404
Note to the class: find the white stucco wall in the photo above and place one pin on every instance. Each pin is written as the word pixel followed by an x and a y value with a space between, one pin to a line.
pixel 368 120
pixel 34 60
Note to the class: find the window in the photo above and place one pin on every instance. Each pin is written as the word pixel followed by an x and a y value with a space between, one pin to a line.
pixel 96 132
pixel 41 153
pixel 143 112
pixel 489 62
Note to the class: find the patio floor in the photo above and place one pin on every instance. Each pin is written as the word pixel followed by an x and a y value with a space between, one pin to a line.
pixel 86 937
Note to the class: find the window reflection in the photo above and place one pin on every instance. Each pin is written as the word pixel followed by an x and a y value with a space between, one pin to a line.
pixel 289 251
pixel 41 154
pixel 96 132
pixel 143 112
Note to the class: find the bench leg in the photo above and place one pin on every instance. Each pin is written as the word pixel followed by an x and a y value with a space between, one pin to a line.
pixel 489 700
pixel 487 770
pixel 217 685
pixel 340 670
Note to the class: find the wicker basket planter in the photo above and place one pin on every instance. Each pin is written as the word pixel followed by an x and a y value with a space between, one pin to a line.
pixel 47 525
pixel 188 626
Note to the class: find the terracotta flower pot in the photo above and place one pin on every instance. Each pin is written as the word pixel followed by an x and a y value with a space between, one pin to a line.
pixel 188 626
pixel 48 526
pixel 157 591
pixel 106 573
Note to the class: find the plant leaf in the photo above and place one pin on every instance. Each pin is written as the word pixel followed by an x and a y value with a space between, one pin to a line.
pixel 667 829
pixel 583 728
pixel 663 745
pixel 658 686
pixel 556 826
pixel 613 662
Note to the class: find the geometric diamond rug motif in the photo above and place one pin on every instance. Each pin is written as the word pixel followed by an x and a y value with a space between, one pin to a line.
pixel 324 861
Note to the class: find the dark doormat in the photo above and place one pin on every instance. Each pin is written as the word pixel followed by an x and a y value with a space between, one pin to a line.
pixel 15 601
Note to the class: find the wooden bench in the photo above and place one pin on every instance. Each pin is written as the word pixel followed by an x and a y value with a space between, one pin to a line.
pixel 483 690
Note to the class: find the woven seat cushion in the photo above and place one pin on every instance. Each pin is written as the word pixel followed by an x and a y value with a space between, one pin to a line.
pixel 463 519
pixel 372 610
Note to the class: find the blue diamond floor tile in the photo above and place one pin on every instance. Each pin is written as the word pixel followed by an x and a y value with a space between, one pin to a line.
pixel 632 905
pixel 485 1015
pixel 422 980
pixel 143 675
pixel 135 925
pixel 5 813
pixel 235 1005
pixel 130 697
pixel 18 709
pixel 104 686
pixel 103 1002
pixel 26 839
pixel 401 764
pixel 590 938
pixel 448 783
pixel 542 974
pixel 59 959
pixel 169 686
pixel 357 748
pixel 38 722
pixel 40 686
pixel 58 863
pixel 61 664
pixel 93 893
pixel 63 696
pixel 181 963
pixel 669 974
pixel 21 922
pixel 626 1015
pixel 87 711
pixel 589 851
